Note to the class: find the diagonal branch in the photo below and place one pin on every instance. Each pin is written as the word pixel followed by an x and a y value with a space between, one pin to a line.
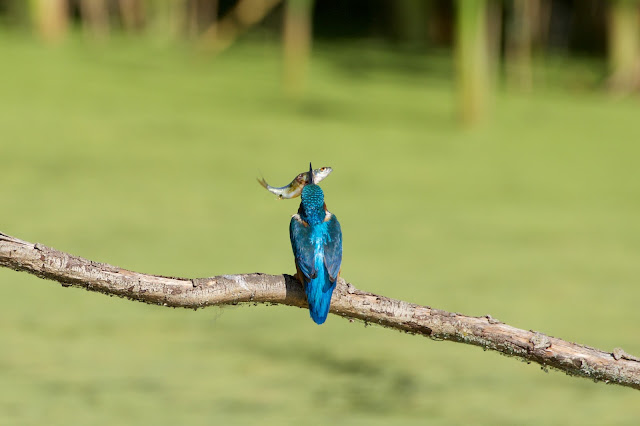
pixel 349 302
pixel 245 14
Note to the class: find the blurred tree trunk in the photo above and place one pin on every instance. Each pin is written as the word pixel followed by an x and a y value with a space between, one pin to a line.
pixel 494 38
pixel 297 44
pixel 519 43
pixel 202 14
pixel 193 20
pixel 132 14
pixel 543 25
pixel 51 18
pixel 624 45
pixel 166 18
pixel 95 18
pixel 472 59
pixel 239 19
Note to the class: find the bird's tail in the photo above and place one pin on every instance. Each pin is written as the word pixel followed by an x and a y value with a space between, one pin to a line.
pixel 319 291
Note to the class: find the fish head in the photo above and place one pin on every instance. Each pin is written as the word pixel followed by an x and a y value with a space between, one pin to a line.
pixel 320 174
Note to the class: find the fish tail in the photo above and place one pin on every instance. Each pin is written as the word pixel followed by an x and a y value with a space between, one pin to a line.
pixel 263 182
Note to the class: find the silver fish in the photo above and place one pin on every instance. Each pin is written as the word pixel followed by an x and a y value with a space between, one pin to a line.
pixel 294 189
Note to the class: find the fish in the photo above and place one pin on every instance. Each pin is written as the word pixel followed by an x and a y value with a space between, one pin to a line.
pixel 294 189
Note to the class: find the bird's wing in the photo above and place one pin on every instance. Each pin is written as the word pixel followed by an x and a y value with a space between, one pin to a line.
pixel 300 235
pixel 333 248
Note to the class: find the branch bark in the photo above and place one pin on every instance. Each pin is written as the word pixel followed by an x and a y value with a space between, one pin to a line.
pixel 574 359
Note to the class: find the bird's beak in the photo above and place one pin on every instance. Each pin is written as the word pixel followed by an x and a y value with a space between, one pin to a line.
pixel 311 182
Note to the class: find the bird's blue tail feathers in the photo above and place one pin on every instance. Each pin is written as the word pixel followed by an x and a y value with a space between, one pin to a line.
pixel 319 291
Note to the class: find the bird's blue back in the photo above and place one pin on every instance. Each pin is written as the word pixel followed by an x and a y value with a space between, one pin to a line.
pixel 317 247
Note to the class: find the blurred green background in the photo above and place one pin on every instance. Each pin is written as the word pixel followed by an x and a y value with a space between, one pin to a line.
pixel 140 148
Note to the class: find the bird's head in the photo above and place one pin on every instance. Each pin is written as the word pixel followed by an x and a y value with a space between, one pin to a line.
pixel 312 195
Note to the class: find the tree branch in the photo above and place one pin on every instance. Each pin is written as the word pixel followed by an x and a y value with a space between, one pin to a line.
pixel 349 302
pixel 245 14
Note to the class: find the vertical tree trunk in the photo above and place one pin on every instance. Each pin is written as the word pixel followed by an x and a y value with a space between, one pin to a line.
pixel 209 10
pixel 494 39
pixel 166 18
pixel 51 18
pixel 543 24
pixel 297 44
pixel 201 15
pixel 624 45
pixel 193 21
pixel 95 18
pixel 132 13
pixel 519 43
pixel 471 59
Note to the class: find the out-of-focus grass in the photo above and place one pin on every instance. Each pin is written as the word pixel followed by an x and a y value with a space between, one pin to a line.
pixel 146 158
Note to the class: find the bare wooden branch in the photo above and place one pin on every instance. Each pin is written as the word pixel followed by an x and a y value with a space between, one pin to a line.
pixel 574 359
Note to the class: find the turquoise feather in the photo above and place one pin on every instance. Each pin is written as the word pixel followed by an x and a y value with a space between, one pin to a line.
pixel 316 240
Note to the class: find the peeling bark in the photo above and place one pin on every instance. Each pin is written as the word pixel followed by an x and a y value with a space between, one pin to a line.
pixel 349 302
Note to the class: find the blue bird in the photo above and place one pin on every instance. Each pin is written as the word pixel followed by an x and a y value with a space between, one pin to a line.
pixel 316 240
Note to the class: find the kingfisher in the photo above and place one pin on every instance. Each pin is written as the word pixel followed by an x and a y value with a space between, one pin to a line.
pixel 316 240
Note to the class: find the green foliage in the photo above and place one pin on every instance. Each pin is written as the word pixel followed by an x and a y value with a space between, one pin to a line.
pixel 147 159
